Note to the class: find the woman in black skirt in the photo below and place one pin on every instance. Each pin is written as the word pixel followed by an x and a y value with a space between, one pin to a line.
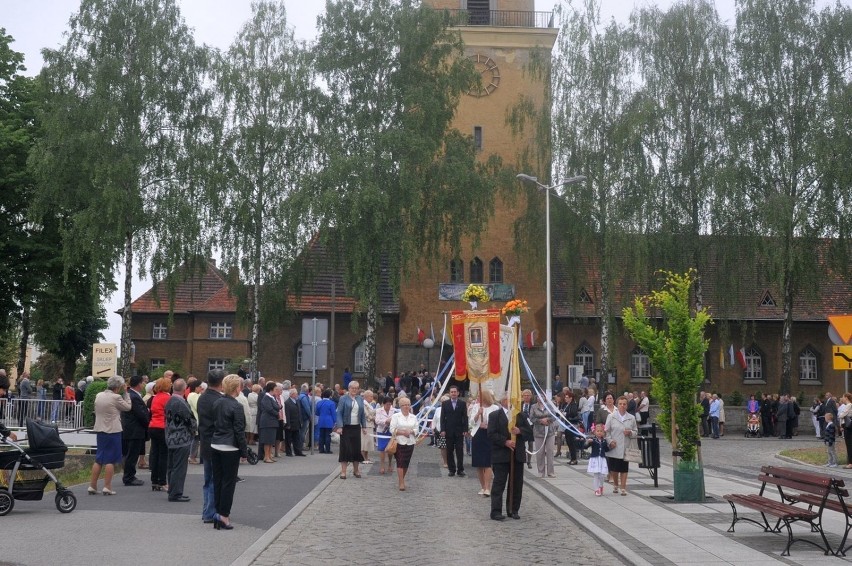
pixel 351 419
pixel 480 453
pixel 404 428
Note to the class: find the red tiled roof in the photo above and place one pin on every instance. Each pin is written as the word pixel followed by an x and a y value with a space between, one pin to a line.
pixel 189 295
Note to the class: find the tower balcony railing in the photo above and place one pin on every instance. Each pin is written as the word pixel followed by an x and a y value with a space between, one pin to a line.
pixel 499 18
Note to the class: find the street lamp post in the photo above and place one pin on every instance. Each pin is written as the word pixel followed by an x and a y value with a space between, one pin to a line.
pixel 548 324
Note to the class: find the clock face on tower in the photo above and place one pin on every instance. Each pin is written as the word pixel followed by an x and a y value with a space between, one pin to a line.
pixel 489 73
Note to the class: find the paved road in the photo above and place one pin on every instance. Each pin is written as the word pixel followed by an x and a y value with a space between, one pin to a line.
pixel 437 520
pixel 141 526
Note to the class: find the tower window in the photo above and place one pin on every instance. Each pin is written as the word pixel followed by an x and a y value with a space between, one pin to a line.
pixel 495 270
pixel 456 271
pixel 477 138
pixel 476 270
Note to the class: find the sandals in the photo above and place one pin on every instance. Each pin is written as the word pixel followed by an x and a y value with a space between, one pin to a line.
pixel 382 471
pixel 343 476
pixel 615 490
pixel 623 492
pixel 269 461
pixel 357 476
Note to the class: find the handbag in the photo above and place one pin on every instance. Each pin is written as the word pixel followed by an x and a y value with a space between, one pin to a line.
pixel 632 452
pixel 391 447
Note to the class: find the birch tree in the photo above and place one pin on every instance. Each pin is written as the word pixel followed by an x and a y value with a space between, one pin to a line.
pixel 124 112
pixel 793 64
pixel 266 88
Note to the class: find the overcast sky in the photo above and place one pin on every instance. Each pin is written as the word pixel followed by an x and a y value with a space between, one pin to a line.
pixel 36 24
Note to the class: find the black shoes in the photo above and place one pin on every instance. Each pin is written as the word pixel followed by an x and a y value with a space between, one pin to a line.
pixel 461 474
pixel 451 474
pixel 529 465
pixel 515 516
pixel 497 516
pixel 179 499
pixel 134 482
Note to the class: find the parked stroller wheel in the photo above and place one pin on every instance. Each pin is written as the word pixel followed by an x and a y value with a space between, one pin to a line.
pixel 66 502
pixel 7 502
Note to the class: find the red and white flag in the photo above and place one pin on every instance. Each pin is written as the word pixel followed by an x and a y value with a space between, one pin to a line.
pixel 421 336
pixel 529 339
pixel 741 358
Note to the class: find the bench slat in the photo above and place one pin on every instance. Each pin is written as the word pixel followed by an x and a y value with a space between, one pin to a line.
pixel 820 488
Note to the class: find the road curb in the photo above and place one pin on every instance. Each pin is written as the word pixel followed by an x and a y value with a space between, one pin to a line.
pixel 256 549
pixel 616 546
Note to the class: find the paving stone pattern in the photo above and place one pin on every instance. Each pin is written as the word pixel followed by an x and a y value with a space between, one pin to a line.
pixel 437 520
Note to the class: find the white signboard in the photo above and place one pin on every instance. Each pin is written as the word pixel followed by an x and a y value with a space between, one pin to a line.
pixel 104 360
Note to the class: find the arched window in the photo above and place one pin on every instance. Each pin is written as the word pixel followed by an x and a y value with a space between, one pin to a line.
pixel 358 355
pixel 585 356
pixel 495 270
pixel 808 365
pixel 754 364
pixel 476 270
pixel 640 365
pixel 456 271
pixel 299 358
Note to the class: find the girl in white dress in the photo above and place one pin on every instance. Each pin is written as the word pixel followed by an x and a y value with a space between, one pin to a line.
pixel 597 460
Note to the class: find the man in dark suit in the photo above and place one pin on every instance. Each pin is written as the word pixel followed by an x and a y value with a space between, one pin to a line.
pixel 293 420
pixel 454 429
pixel 134 425
pixel 503 451
pixel 526 407
pixel 206 417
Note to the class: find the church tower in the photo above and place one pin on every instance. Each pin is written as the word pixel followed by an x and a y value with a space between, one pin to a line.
pixel 500 37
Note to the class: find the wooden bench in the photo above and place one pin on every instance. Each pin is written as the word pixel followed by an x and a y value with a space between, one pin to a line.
pixel 836 502
pixel 782 510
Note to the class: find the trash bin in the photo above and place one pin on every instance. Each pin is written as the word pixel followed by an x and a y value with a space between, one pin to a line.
pixel 649 446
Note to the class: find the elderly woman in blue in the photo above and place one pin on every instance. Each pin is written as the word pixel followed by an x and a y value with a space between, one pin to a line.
pixel 351 419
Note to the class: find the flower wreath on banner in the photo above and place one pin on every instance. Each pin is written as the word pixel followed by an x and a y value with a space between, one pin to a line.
pixel 475 294
pixel 514 309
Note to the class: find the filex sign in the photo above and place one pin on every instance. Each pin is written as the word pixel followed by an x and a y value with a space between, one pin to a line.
pixel 104 360
pixel 840 332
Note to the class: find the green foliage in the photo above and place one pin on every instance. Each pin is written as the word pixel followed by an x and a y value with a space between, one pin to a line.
pixel 397 185
pixel 676 352
pixel 121 155
pixel 735 399
pixel 50 367
pixel 173 365
pixel 92 390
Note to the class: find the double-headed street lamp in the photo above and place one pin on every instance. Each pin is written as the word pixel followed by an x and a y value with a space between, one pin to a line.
pixel 534 180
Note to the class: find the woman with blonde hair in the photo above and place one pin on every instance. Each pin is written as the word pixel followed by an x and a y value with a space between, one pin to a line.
pixel 368 439
pixel 403 427
pixel 383 420
pixel 228 446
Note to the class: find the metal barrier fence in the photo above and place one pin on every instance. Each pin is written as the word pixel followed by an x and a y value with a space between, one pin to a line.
pixel 66 414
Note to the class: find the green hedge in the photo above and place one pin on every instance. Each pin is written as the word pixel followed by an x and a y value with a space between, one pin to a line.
pixel 92 390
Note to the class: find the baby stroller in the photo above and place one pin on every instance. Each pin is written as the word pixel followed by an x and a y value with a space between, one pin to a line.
pixel 753 426
pixel 26 471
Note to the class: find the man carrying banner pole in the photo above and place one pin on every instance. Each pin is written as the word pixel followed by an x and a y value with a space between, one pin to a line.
pixel 503 428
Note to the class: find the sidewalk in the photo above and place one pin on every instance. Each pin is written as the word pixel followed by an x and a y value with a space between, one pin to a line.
pixel 645 530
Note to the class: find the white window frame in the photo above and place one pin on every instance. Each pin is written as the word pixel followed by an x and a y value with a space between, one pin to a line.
pixel 582 355
pixel 159 331
pixel 808 366
pixel 640 365
pixel 157 363
pixel 754 365
pixel 300 351
pixel 221 330
pixel 217 364
pixel 359 357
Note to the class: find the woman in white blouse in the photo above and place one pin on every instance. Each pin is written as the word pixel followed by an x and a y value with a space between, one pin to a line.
pixel 383 419
pixel 403 427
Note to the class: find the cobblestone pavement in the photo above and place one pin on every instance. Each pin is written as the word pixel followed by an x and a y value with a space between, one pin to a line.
pixel 438 519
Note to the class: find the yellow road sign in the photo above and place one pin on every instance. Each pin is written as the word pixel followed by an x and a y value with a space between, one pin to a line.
pixel 842 356
pixel 104 360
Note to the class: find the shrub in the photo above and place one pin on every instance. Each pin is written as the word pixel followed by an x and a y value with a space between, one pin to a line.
pixel 92 390
pixel 735 399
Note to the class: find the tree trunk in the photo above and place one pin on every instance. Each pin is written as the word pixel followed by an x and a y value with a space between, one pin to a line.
pixel 370 346
pixel 25 338
pixel 126 315
pixel 605 328
pixel 787 334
